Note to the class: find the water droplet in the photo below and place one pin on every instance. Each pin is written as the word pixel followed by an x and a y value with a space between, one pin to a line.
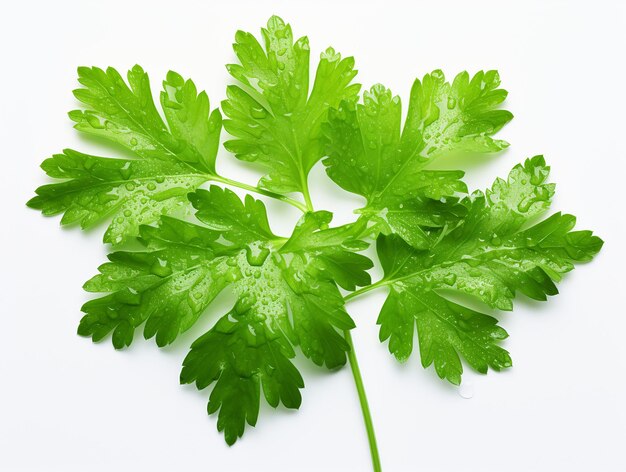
pixel 125 171
pixel 161 268
pixel 245 302
pixel 451 103
pixel 133 142
pixel 466 390
pixel 151 186
pixel 129 296
pixel 437 75
pixel 525 205
pixel 94 121
pixel 450 279
pixel 256 254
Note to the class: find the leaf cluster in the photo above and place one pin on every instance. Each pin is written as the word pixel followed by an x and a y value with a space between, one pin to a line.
pixel 433 238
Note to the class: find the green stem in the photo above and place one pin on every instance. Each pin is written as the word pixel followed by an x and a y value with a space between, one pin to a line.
pixel 365 289
pixel 358 380
pixel 307 198
pixel 356 372
pixel 367 416
pixel 300 206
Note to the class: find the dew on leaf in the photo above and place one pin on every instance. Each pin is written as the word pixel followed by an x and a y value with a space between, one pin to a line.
pixel 256 253
pixel 450 279
pixel 161 268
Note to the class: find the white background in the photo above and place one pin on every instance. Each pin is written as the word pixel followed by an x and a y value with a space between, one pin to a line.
pixel 68 405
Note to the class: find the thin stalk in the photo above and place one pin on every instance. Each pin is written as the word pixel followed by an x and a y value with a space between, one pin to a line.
pixel 356 372
pixel 299 205
pixel 365 289
pixel 307 198
pixel 367 416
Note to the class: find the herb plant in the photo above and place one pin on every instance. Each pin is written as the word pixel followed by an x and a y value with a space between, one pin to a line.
pixel 432 237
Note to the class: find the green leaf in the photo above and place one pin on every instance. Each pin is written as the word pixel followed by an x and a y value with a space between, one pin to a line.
pixel 171 160
pixel 285 290
pixel 490 256
pixel 370 156
pixel 242 356
pixel 239 224
pixel 272 116
pixel 334 249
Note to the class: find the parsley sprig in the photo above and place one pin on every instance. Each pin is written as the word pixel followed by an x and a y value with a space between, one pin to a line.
pixel 198 239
